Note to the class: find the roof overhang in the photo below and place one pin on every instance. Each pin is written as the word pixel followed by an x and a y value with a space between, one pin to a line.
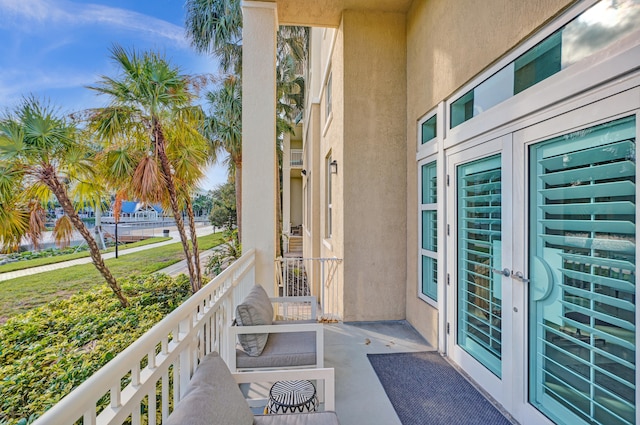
pixel 327 13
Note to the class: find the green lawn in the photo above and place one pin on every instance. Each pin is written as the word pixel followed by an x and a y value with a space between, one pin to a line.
pixel 21 294
pixel 26 264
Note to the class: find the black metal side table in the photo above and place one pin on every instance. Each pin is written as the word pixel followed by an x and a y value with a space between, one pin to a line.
pixel 292 397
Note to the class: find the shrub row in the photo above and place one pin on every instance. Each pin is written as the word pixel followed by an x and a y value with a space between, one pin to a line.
pixel 49 252
pixel 48 351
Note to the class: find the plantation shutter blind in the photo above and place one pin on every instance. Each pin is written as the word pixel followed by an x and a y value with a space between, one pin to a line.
pixel 479 245
pixel 583 232
pixel 429 225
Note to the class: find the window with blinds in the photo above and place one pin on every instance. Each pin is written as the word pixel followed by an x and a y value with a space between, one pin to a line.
pixel 429 226
pixel 479 250
pixel 582 268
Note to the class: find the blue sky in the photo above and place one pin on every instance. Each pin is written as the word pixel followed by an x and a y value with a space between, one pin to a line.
pixel 55 48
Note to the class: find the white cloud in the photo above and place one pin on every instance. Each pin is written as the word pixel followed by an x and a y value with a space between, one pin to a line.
pixel 62 12
pixel 38 10
pixel 15 85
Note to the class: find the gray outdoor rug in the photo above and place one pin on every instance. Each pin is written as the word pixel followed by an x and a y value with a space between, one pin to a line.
pixel 425 390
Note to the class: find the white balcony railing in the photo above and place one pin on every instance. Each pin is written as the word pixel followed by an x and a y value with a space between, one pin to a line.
pixel 154 371
pixel 320 277
pixel 296 158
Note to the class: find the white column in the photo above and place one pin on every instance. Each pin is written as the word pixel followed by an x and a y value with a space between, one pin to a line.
pixel 259 136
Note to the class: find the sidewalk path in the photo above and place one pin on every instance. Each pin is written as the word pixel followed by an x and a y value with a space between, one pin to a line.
pixel 172 270
pixel 181 266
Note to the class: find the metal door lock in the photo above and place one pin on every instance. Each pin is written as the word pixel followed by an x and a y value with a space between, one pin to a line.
pixel 506 272
pixel 520 277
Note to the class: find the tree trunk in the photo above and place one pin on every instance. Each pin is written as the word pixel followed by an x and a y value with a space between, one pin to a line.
pixel 239 198
pixel 98 227
pixel 278 211
pixel 194 241
pixel 61 194
pixel 173 199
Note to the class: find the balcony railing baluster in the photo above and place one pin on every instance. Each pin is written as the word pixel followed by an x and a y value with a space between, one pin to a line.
pixel 296 158
pixel 297 276
pixel 187 334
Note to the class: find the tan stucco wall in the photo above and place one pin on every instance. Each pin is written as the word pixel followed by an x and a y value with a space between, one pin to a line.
pixel 311 137
pixel 372 165
pixel 327 13
pixel 451 41
pixel 332 128
pixel 448 43
pixel 388 69
pixel 311 239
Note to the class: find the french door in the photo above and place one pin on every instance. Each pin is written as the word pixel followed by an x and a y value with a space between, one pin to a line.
pixel 480 301
pixel 582 255
pixel 542 294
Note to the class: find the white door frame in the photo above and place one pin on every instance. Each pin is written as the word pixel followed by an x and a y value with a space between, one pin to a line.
pixel 489 382
pixel 590 115
pixel 512 390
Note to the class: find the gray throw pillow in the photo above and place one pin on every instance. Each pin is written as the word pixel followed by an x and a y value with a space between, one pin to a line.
pixel 255 309
pixel 212 398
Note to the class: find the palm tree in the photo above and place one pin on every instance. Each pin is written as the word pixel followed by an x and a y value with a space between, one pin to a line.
pixel 215 27
pixel 291 55
pixel 41 154
pixel 223 127
pixel 189 152
pixel 151 105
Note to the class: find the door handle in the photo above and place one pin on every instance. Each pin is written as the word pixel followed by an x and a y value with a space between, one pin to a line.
pixel 520 277
pixel 504 272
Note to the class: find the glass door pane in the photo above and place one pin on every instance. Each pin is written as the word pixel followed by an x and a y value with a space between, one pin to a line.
pixel 582 267
pixel 479 251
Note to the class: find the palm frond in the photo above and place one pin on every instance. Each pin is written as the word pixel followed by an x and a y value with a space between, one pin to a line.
pixel 215 27
pixel 14 223
pixel 78 163
pixel 10 178
pixel 11 139
pixel 37 190
pixel 44 130
pixel 37 217
pixel 147 182
pixel 62 232
pixel 121 195
pixel 88 192
pixel 120 163
pixel 115 121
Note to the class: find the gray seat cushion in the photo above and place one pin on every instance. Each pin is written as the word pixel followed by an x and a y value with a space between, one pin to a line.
pixel 288 349
pixel 213 398
pixel 255 309
pixel 319 418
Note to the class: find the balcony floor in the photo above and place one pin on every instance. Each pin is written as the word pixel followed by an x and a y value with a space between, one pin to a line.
pixel 360 398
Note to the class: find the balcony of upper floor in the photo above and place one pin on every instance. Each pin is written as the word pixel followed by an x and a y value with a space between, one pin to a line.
pixel 295 158
pixel 144 383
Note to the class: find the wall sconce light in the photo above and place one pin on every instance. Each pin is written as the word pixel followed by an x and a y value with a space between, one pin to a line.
pixel 333 166
pixel 304 172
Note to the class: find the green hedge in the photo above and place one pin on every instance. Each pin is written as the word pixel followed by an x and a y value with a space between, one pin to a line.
pixel 48 351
